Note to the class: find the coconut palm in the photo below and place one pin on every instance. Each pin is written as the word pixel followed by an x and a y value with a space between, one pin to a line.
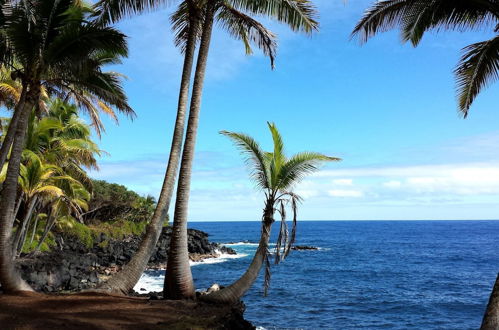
pixel 38 181
pixel 477 68
pixel 186 22
pixel 51 40
pixel 479 64
pixel 299 16
pixel 63 139
pixel 186 30
pixel 276 175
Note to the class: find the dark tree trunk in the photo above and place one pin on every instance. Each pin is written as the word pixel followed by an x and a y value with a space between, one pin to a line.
pixel 9 277
pixel 23 227
pixel 178 279
pixel 11 130
pixel 491 317
pixel 48 227
pixel 234 292
pixel 124 281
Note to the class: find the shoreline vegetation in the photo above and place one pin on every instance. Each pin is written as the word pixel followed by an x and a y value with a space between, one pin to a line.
pixel 61 230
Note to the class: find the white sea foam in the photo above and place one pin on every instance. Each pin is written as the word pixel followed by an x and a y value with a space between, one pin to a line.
pixel 241 243
pixel 149 283
pixel 222 257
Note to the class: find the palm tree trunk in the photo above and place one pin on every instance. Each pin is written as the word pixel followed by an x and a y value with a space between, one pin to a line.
pixel 178 279
pixel 48 228
pixel 10 278
pixel 491 317
pixel 234 292
pixel 124 281
pixel 33 232
pixel 11 130
pixel 18 205
pixel 23 226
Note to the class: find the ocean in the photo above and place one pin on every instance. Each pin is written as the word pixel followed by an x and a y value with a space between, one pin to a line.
pixel 366 274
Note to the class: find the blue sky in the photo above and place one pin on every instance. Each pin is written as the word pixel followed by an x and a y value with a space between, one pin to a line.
pixel 388 109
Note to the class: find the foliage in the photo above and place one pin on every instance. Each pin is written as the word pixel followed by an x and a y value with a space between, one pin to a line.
pixel 111 202
pixel 479 64
pixel 276 175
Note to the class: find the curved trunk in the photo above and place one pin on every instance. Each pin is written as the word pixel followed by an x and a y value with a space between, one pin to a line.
pixel 124 281
pixel 16 208
pixel 178 279
pixel 33 232
pixel 21 231
pixel 9 277
pixel 48 228
pixel 11 130
pixel 234 292
pixel 491 317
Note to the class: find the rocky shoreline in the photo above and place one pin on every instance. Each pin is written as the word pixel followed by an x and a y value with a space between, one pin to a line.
pixel 72 266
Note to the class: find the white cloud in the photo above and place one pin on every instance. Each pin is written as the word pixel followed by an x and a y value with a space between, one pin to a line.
pixel 392 184
pixel 343 182
pixel 345 193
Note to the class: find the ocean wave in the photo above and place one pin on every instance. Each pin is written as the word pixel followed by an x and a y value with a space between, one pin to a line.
pixel 222 257
pixel 240 243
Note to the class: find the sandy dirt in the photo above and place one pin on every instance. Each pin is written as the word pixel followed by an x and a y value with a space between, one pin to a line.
pixel 99 311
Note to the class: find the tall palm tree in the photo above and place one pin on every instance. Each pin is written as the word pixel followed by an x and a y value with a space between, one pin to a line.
pixel 299 16
pixel 477 68
pixel 187 31
pixel 186 22
pixel 94 92
pixel 51 40
pixel 275 175
pixel 37 181
pixel 479 64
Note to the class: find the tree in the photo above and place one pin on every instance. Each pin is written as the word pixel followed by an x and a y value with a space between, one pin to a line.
pixel 187 30
pixel 299 15
pixel 186 22
pixel 52 41
pixel 477 68
pixel 479 64
pixel 275 175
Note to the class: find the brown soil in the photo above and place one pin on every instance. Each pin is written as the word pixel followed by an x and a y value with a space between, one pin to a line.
pixel 99 311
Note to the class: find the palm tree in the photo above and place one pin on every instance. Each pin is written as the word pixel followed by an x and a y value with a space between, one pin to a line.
pixel 187 31
pixel 477 68
pixel 299 15
pixel 37 181
pixel 479 64
pixel 51 41
pixel 187 21
pixel 275 175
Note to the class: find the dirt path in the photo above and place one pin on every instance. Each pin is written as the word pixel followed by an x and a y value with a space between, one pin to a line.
pixel 95 311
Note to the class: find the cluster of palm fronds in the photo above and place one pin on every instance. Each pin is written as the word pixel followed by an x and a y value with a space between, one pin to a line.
pixel 479 64
pixel 53 184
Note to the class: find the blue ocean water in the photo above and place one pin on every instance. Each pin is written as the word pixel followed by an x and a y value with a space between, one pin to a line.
pixel 367 274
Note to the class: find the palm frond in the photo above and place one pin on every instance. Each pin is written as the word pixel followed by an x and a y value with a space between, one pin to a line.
pixel 300 165
pixel 111 11
pixel 247 29
pixel 381 17
pixel 299 15
pixel 478 67
pixel 255 158
pixel 186 17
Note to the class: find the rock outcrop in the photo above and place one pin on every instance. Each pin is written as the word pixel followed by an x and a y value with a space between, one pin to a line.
pixel 72 266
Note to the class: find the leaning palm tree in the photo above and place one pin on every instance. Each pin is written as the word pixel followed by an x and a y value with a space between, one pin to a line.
pixel 186 30
pixel 299 15
pixel 188 21
pixel 477 68
pixel 479 64
pixel 50 40
pixel 275 175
